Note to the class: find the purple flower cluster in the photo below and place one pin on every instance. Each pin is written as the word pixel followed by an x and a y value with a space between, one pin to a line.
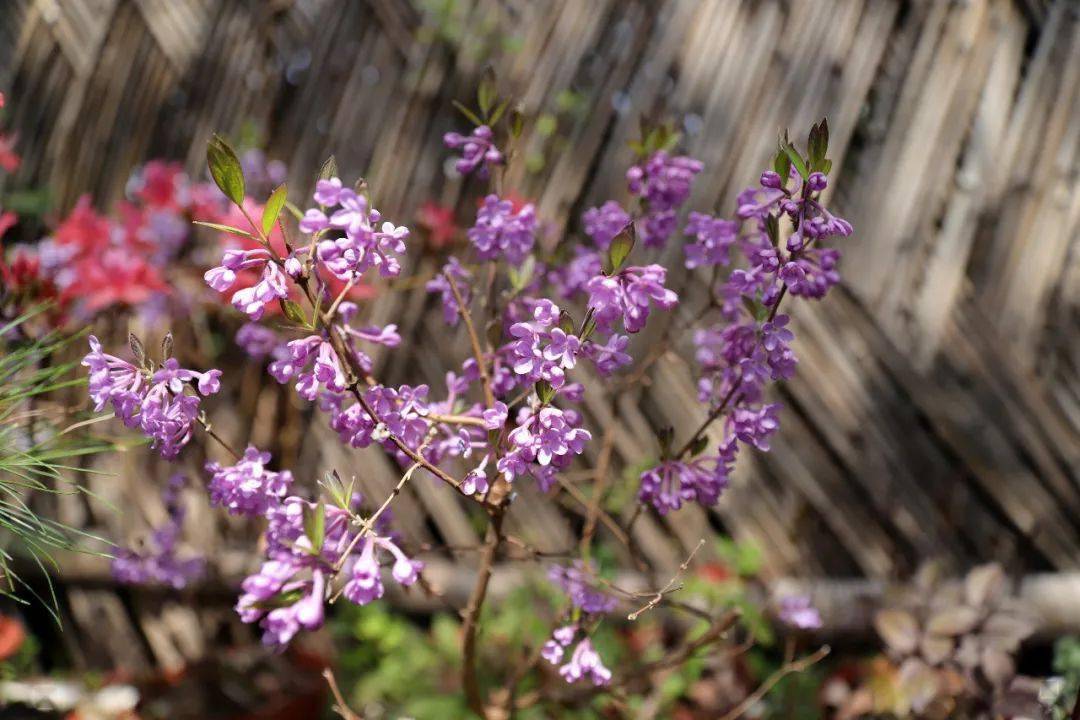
pixel 160 562
pixel 364 245
pixel 500 232
pixel 248 487
pixel 663 183
pixel 477 150
pixel 579 588
pixel 314 364
pixel 603 223
pixel 751 346
pixel 544 441
pixel 714 239
pixel 251 300
pixel 163 404
pixel 584 661
pixel 288 592
pixel 440 284
pixel 541 350
pixel 628 295
pixel 673 482
pixel 798 611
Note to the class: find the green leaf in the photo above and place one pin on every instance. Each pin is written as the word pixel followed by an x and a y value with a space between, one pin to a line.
pixel 499 110
pixel 517 122
pixel 294 211
pixel 315 526
pixel 468 113
pixel 225 229
pixel 225 169
pixel 796 159
pixel 293 311
pixel 772 228
pixel 544 391
pixel 329 169
pixel 137 349
pixel 566 323
pixel 273 209
pixel 818 144
pixel 486 94
pixel 699 446
pixel 588 326
pixel 620 248
pixel 521 276
pixel 782 166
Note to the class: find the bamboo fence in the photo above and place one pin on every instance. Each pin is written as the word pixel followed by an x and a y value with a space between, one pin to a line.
pixel 936 412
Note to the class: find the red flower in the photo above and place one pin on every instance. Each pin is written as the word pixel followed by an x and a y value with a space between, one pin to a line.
pixel 438 221
pixel 9 160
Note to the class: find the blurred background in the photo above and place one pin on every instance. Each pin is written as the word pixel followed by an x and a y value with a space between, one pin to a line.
pixel 936 412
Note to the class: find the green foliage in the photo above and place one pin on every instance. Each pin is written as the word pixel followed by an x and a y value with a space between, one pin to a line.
pixel 225 169
pixel 1063 694
pixel 34 452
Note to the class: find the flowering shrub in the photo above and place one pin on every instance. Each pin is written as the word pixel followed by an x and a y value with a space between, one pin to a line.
pixel 509 413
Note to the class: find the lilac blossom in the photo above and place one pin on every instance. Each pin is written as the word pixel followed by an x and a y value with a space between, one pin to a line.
pixel 258 341
pixel 160 561
pixel 251 300
pixel 248 487
pixel 367 242
pixel 477 150
pixel 580 589
pixel 603 223
pixel 714 239
pixel 548 437
pixel 164 404
pixel 628 295
pixel 673 482
pixel 585 663
pixel 663 183
pixel 798 611
pixel 500 232
pixel 440 284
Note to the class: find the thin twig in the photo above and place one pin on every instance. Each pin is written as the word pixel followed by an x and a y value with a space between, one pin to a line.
pixel 670 587
pixel 786 669
pixel 340 706
pixel 603 463
pixel 474 339
pixel 469 681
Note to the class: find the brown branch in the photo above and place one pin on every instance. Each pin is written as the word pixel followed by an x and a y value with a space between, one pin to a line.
pixel 474 339
pixel 469 681
pixel 786 669
pixel 340 706
pixel 670 587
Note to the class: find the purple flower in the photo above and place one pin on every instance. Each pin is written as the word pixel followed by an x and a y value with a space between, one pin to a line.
pixel 440 284
pixel 663 182
pixel 477 150
pixel 314 363
pixel 541 439
pixel 248 487
pixel 581 591
pixel 798 611
pixel 608 357
pixel 571 279
pixel 160 561
pixel 499 232
pixel 714 240
pixel 628 295
pixel 754 426
pixel 671 483
pixel 327 192
pixel 495 416
pixel 585 663
pixel 603 223
pixel 365 244
pixel 258 341
pixel 561 638
pixel 156 403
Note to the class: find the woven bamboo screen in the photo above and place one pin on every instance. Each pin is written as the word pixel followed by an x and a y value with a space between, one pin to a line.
pixel 937 407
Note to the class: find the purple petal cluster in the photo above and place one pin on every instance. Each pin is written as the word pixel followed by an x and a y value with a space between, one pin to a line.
pixel 673 482
pixel 584 660
pixel 366 242
pixel 628 295
pixel 540 349
pixel 798 611
pixel 663 182
pixel 314 363
pixel 160 561
pixel 248 487
pixel 714 239
pixel 500 232
pixel 164 404
pixel 477 150
pixel 440 284
pixel 580 589
pixel 603 223
pixel 252 300
pixel 288 592
pixel 544 441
